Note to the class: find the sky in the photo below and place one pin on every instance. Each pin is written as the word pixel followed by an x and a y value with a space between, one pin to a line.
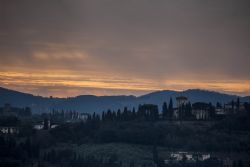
pixel 111 47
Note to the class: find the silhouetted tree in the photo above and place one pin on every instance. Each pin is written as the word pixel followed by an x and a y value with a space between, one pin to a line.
pixel 164 111
pixel 233 104
pixel 218 105
pixel 46 124
pixel 188 110
pixel 238 104
pixel 171 108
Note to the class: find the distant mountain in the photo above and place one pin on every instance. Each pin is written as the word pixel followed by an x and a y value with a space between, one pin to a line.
pixel 193 95
pixel 19 99
pixel 90 103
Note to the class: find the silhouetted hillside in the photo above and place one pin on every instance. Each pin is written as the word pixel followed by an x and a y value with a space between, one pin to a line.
pixel 90 103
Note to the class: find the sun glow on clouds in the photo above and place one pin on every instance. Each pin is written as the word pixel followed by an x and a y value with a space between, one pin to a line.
pixel 68 83
pixel 45 56
pixel 240 87
pixel 68 48
pixel 66 79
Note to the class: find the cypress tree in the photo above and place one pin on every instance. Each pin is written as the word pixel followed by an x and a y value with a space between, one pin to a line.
pixel 170 108
pixel 164 111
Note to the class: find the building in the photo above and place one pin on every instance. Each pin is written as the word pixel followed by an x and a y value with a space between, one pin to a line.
pixel 201 114
pixel 180 102
pixel 9 130
pixel 187 156
pixel 9 125
pixel 83 116
pixel 200 110
pixel 38 126
pixel 234 108
pixel 180 156
pixel 220 113
pixel 53 126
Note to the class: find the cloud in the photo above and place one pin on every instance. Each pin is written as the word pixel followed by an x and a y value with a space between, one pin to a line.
pixel 144 41
pixel 60 56
pixel 66 83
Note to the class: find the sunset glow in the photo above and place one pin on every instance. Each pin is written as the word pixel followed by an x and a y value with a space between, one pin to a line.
pixel 90 47
pixel 56 82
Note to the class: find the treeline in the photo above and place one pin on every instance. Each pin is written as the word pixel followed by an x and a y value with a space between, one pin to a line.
pixel 62 114
pixel 20 112
pixel 150 112
pixel 145 112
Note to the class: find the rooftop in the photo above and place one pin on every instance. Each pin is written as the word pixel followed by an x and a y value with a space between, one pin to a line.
pixel 181 98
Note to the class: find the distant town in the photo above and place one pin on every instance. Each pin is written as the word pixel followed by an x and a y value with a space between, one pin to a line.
pixel 160 130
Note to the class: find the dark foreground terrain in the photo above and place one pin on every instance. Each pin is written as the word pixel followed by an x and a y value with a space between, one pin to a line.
pixel 141 143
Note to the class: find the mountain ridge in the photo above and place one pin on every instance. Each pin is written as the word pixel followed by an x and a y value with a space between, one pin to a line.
pixel 92 103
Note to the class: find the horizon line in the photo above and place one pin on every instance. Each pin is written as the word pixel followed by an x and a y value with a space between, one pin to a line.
pixel 150 92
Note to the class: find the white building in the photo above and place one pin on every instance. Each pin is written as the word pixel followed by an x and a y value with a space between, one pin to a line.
pixel 41 126
pixel 38 126
pixel 9 130
pixel 200 110
pixel 187 156
pixel 83 116
pixel 200 114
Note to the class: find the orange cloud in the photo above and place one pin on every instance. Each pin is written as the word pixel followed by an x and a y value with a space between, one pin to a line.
pixel 241 87
pixel 57 81
pixel 50 56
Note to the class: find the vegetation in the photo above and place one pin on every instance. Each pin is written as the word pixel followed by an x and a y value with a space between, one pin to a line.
pixel 125 138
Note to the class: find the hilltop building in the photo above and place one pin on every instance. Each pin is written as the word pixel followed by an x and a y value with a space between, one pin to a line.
pixel 201 110
pixel 180 102
pixel 9 125
pixel 234 107
pixel 205 111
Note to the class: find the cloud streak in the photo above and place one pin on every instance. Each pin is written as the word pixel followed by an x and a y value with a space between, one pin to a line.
pixel 148 45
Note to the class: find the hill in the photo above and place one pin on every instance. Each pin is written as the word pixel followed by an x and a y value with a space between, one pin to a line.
pixel 90 103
